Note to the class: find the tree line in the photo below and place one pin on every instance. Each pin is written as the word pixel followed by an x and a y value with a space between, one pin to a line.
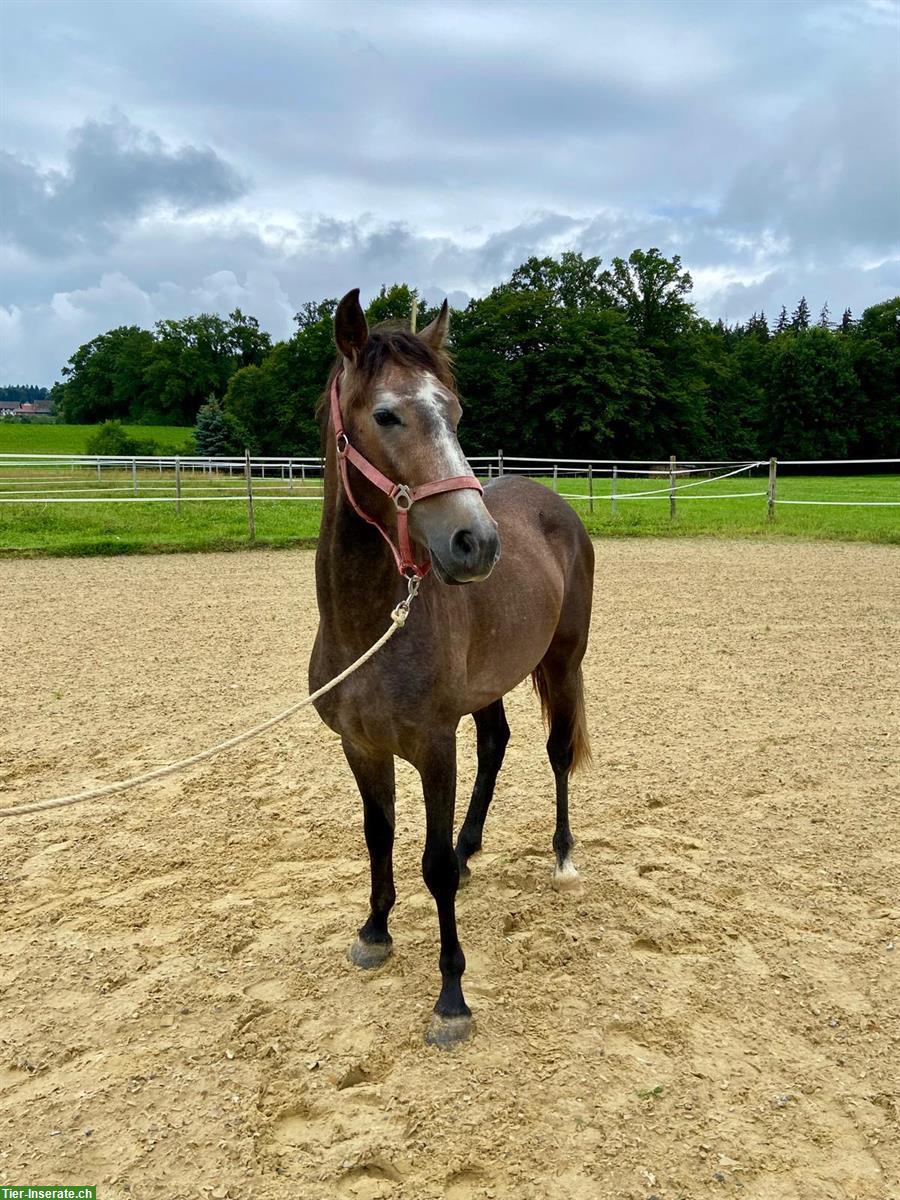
pixel 23 393
pixel 566 357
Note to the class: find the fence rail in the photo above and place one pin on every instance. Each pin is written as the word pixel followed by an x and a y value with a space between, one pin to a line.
pixel 28 479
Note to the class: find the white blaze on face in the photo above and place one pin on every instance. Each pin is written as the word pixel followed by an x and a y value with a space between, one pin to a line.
pixel 432 396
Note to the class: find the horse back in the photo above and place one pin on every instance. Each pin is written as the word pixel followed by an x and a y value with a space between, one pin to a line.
pixel 539 530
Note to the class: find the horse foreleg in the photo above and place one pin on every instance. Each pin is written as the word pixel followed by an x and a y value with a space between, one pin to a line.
pixel 493 735
pixel 452 1021
pixel 375 779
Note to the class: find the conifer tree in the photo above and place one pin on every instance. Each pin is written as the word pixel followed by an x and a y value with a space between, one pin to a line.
pixel 759 326
pixel 800 316
pixel 212 432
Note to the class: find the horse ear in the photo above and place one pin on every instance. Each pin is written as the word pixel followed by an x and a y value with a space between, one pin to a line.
pixel 350 329
pixel 436 333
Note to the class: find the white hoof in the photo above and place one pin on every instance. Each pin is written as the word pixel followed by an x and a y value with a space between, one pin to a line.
pixel 566 878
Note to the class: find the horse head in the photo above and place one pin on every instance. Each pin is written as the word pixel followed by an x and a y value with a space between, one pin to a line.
pixel 399 412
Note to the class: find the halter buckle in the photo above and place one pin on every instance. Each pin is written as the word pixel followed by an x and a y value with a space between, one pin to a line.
pixel 402 492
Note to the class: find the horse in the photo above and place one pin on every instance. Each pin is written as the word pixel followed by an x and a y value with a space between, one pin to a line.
pixel 481 623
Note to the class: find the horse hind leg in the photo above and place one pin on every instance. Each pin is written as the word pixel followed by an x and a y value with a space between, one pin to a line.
pixel 561 690
pixel 493 735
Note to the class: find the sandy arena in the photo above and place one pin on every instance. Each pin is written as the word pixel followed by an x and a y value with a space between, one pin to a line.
pixel 715 1015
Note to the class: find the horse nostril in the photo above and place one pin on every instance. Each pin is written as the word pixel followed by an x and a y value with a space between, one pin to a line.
pixel 463 544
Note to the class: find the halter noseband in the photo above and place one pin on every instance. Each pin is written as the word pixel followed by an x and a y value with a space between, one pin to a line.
pixel 403 496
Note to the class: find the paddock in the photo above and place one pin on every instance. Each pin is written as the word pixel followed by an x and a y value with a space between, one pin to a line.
pixel 715 1014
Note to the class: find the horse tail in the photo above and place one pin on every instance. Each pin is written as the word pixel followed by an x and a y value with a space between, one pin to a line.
pixel 579 740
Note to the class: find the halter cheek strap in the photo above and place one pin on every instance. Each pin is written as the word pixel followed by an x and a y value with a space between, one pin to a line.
pixel 403 496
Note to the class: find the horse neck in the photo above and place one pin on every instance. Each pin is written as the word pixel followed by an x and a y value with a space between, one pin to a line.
pixel 357 581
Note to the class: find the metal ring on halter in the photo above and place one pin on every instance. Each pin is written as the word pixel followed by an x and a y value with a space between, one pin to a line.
pixel 342 442
pixel 402 492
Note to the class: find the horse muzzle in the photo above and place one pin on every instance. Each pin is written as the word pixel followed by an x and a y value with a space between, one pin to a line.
pixel 467 556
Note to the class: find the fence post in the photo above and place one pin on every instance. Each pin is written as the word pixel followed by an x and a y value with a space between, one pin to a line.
pixel 414 314
pixel 291 475
pixel 134 475
pixel 177 483
pixel 672 487
pixel 98 470
pixel 590 487
pixel 614 508
pixel 770 504
pixel 556 477
pixel 303 473
pixel 499 462
pixel 248 472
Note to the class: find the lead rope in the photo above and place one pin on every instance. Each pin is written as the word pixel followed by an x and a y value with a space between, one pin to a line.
pixel 398 620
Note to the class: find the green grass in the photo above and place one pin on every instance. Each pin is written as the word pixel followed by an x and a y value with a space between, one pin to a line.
pixel 85 528
pixel 72 439
pixel 34 531
pixel 134 527
pixel 745 517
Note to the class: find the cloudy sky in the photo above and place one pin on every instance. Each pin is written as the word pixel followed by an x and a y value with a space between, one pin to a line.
pixel 165 158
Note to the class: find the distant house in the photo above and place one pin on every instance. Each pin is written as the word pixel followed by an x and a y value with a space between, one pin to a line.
pixel 28 408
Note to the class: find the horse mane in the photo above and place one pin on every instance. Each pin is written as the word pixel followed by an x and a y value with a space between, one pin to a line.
pixel 390 342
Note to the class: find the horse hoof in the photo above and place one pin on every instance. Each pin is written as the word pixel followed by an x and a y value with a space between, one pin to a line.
pixel 369 954
pixel 465 876
pixel 566 878
pixel 449 1031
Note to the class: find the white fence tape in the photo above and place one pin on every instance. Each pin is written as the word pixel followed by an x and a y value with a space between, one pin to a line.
pixel 155 487
pixel 185 499
pixel 847 503
pixel 295 478
pixel 653 496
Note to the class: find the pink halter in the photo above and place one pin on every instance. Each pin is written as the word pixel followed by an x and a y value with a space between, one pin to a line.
pixel 403 496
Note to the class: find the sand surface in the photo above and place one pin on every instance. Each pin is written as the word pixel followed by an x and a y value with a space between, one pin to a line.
pixel 715 1015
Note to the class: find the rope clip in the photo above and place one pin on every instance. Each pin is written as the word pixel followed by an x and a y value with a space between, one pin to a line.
pixel 401 612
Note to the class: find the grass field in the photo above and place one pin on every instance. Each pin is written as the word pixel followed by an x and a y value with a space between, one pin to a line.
pixel 746 516
pixel 72 439
pixel 136 527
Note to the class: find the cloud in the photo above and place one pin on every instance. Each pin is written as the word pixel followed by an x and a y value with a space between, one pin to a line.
pixel 820 183
pixel 37 339
pixel 273 270
pixel 114 173
pixel 757 140
pixel 840 287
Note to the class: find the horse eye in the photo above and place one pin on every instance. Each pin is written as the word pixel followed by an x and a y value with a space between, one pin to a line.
pixel 384 416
